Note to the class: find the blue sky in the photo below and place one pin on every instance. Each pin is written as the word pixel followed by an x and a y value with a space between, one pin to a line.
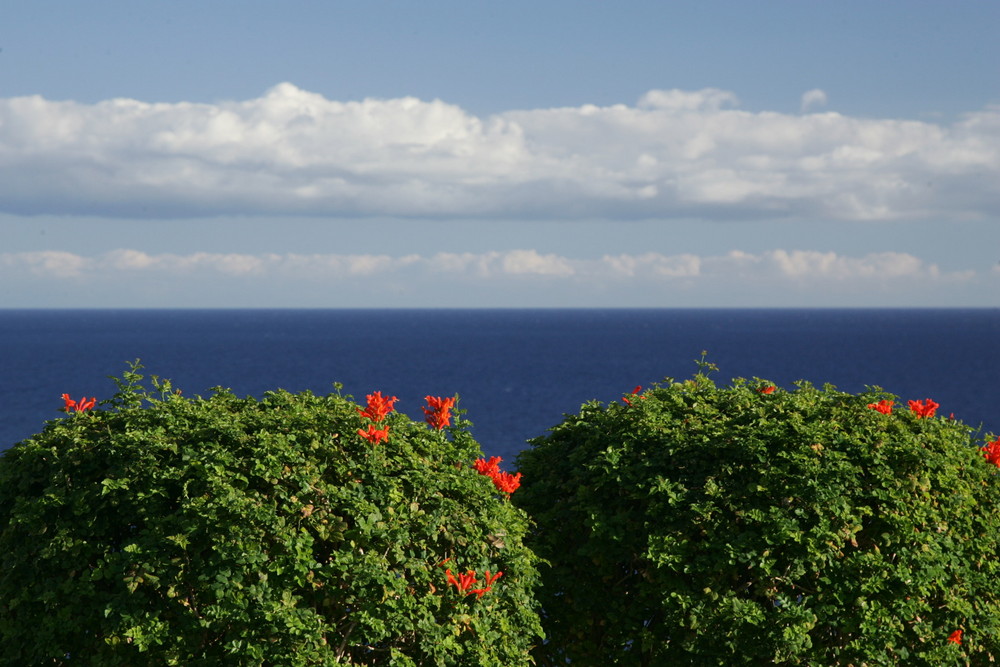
pixel 517 154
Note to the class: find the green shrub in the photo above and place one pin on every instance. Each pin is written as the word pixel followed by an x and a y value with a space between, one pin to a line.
pixel 162 530
pixel 692 524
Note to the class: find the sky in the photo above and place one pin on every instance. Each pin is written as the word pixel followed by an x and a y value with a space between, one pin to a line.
pixel 330 154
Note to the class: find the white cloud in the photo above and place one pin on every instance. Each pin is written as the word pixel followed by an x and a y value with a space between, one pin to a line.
pixel 675 153
pixel 799 264
pixel 47 263
pixel 830 268
pixel 476 264
pixel 792 266
pixel 654 264
pixel 530 262
pixel 812 99
pixel 707 99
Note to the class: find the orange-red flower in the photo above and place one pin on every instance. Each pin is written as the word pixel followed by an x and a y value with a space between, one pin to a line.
pixel 992 452
pixel 438 411
pixel 490 467
pixel 884 406
pixel 955 637
pixel 506 482
pixel 489 584
pixel 767 390
pixel 503 481
pixel 378 407
pixel 82 405
pixel 464 583
pixel 924 408
pixel 374 435
pixel 627 401
pixel 489 580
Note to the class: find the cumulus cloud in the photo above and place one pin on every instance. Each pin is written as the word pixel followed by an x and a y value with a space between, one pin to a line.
pixel 530 262
pixel 653 264
pixel 812 99
pixel 674 153
pixel 791 267
pixel 52 263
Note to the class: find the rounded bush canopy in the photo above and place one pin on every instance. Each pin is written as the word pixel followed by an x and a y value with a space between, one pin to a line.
pixel 292 530
pixel 696 524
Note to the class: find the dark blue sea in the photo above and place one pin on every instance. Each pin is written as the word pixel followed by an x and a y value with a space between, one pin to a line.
pixel 516 371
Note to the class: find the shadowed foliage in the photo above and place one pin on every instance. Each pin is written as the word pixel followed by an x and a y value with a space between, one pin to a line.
pixel 692 524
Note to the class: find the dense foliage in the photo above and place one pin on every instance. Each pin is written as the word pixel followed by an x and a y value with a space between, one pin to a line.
pixel 153 529
pixel 696 524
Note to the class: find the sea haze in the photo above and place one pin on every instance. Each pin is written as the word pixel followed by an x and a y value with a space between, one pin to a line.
pixel 516 371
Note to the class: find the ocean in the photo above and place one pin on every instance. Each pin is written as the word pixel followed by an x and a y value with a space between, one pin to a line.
pixel 517 372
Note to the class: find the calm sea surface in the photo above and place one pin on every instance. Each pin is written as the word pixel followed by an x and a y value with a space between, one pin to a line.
pixel 517 371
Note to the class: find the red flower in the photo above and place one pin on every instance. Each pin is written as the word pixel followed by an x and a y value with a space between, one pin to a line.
pixel 506 482
pixel 627 400
pixel 374 435
pixel 82 406
pixel 767 390
pixel 490 467
pixel 489 580
pixel 883 406
pixel 992 452
pixel 378 407
pixel 924 408
pixel 955 637
pixel 464 582
pixel 489 584
pixel 438 411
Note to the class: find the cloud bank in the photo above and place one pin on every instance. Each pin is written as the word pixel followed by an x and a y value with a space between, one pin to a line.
pixel 673 154
pixel 788 266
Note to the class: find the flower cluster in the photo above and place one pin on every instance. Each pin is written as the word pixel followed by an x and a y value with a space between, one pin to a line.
pixel 437 413
pixel 464 583
pixel 955 637
pixel 992 452
pixel 504 481
pixel 635 392
pixel 82 405
pixel 377 410
pixel 769 389
pixel 884 406
pixel 488 467
pixel 374 435
pixel 923 409
pixel 378 407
